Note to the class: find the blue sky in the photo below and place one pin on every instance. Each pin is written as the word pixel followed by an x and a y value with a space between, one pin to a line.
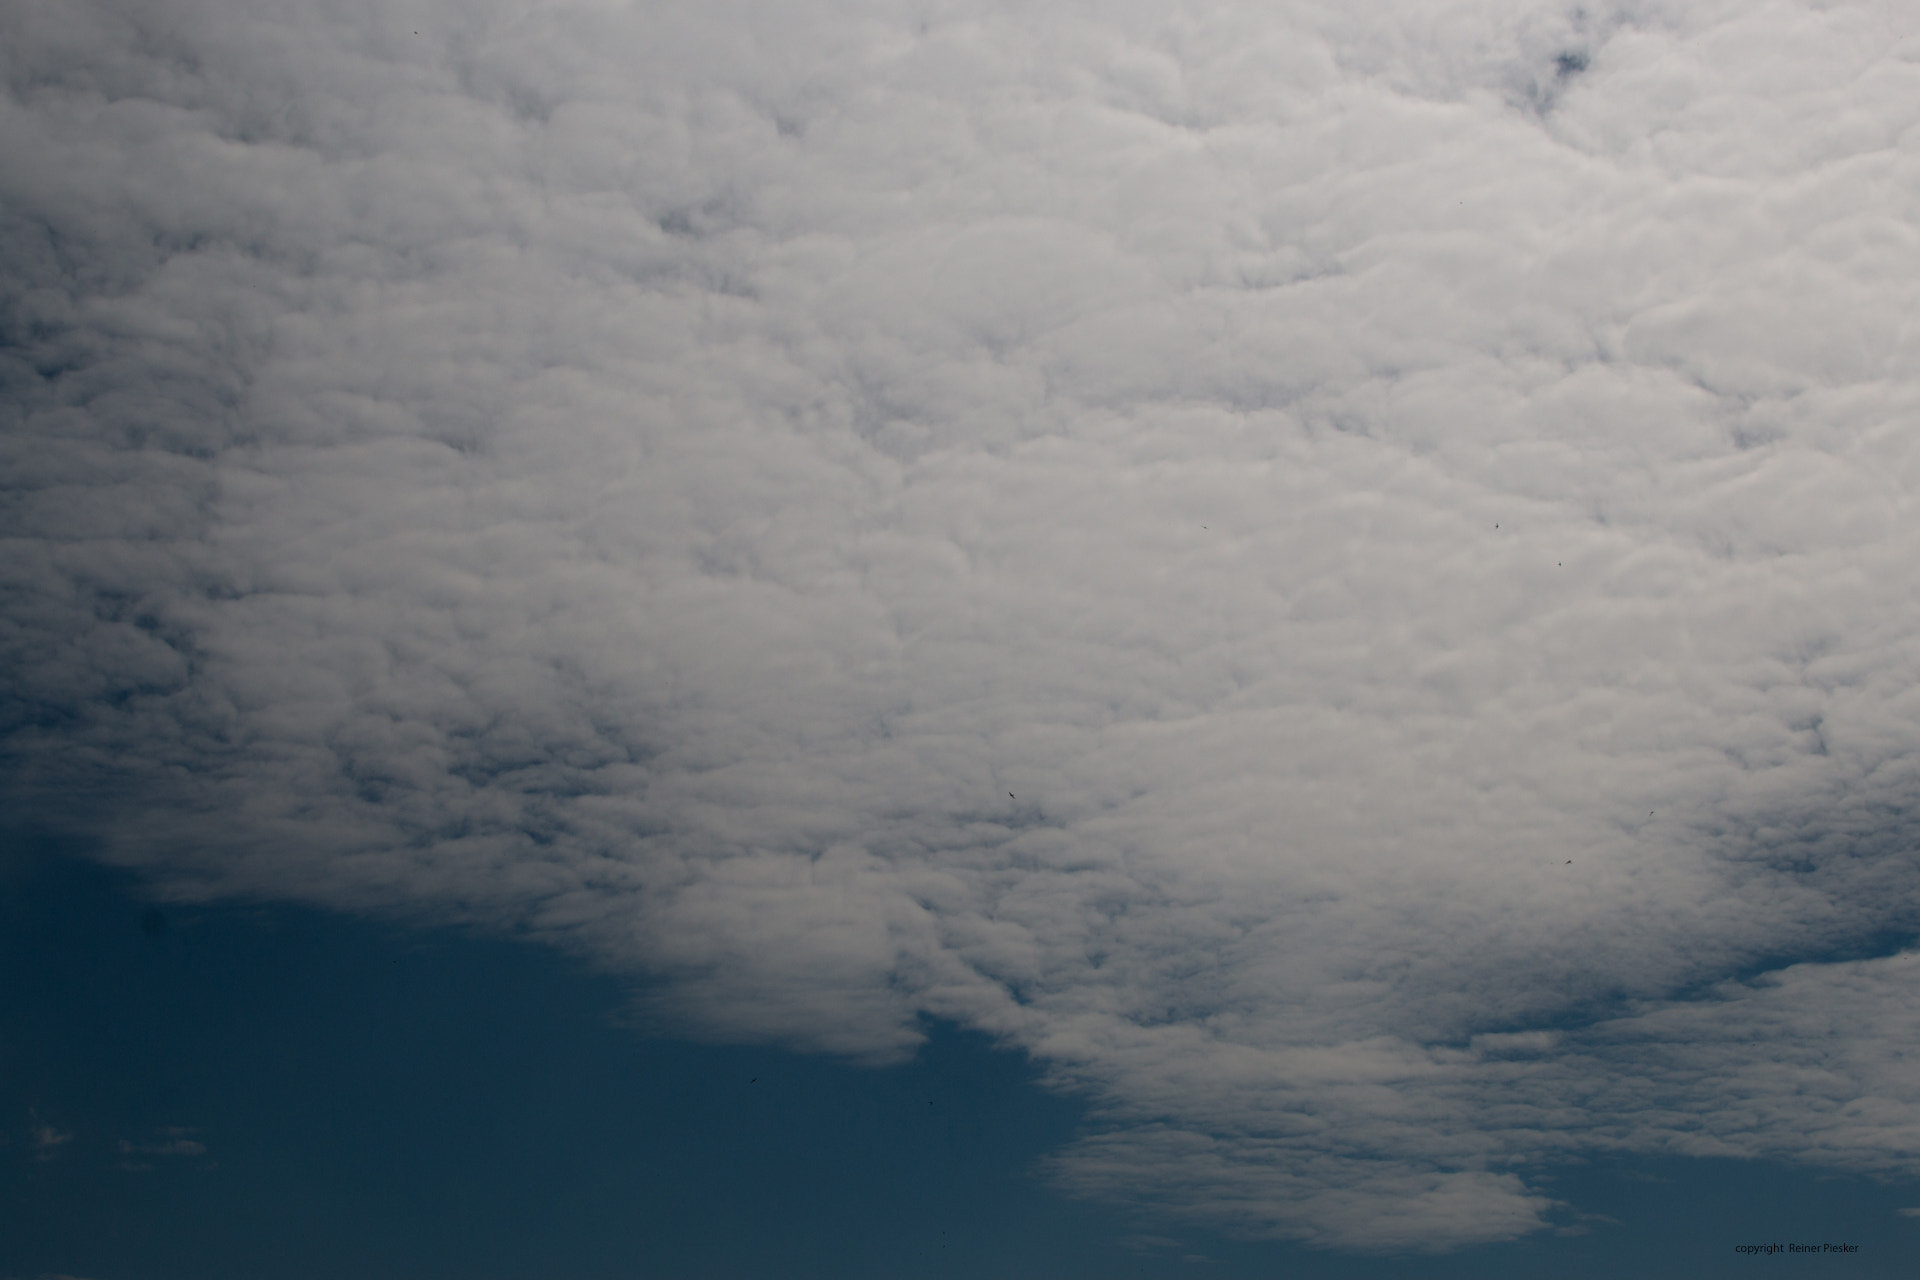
pixel 386 1101
pixel 1338 584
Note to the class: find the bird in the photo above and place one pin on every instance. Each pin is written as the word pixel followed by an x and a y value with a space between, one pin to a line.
pixel 1012 796
pixel 1569 861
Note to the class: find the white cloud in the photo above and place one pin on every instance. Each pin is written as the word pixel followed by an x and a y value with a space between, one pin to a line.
pixel 1346 583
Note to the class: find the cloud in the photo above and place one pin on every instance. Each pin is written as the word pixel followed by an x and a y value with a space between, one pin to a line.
pixel 1345 583
pixel 172 1140
pixel 47 1140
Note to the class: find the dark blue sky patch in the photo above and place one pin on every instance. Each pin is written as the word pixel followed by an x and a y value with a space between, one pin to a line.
pixel 408 1104
pixel 244 1091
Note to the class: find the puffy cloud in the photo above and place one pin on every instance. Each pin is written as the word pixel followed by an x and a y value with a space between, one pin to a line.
pixel 1343 581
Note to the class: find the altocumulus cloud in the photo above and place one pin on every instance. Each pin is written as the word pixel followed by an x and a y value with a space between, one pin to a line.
pixel 1349 583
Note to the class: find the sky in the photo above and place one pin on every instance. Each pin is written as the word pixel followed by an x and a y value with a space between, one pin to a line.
pixel 1313 609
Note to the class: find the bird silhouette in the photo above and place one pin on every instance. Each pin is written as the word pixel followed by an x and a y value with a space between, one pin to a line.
pixel 1012 796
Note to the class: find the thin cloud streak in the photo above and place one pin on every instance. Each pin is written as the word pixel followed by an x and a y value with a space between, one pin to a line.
pixel 723 490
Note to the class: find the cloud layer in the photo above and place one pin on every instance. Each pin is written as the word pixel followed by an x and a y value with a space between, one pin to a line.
pixel 1347 583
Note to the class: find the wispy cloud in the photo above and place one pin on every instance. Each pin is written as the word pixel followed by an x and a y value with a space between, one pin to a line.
pixel 46 1140
pixel 1342 579
pixel 168 1141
